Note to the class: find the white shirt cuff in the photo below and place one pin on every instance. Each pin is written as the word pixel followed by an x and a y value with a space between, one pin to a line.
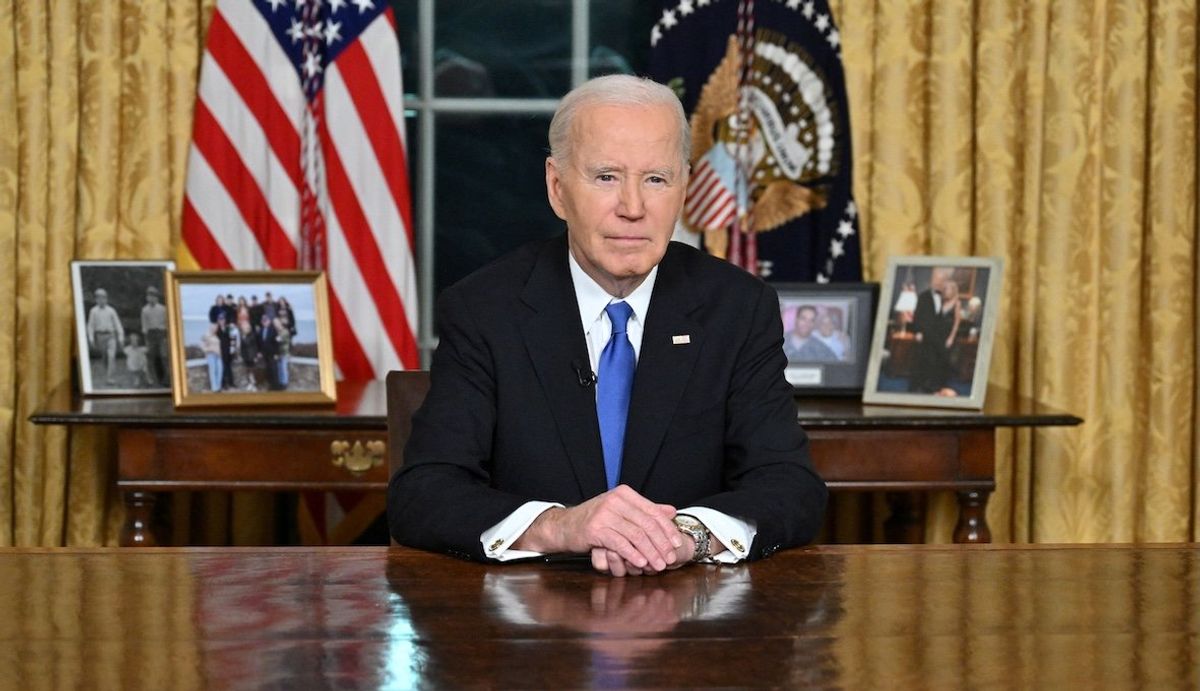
pixel 736 535
pixel 497 539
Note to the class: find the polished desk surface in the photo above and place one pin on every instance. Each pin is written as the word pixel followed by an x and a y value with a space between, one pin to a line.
pixel 848 617
pixel 363 405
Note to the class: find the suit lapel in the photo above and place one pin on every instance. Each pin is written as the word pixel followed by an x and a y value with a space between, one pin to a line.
pixel 556 346
pixel 664 367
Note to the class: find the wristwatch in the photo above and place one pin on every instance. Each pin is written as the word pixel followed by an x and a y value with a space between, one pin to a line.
pixel 697 531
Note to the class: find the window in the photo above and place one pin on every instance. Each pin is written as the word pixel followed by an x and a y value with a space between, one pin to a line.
pixel 482 80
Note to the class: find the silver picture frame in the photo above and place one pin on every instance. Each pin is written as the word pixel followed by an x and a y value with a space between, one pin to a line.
pixel 934 329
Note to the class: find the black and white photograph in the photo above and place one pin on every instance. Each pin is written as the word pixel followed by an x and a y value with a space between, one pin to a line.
pixel 826 334
pixel 246 338
pixel 121 327
pixel 933 332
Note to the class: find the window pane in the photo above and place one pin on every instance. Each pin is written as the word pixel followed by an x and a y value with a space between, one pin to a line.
pixel 517 49
pixel 620 36
pixel 491 190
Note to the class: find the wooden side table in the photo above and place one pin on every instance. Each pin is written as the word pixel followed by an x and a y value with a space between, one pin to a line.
pixel 855 447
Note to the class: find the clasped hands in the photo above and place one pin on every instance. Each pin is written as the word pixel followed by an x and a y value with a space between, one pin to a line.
pixel 624 532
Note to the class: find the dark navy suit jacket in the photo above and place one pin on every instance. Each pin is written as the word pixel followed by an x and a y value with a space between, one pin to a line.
pixel 507 420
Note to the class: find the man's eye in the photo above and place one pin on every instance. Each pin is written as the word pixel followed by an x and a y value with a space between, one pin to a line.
pixel 605 177
pixel 656 180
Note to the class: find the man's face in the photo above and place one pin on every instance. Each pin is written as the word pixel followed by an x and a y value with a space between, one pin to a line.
pixel 620 192
pixel 101 299
pixel 804 323
pixel 825 325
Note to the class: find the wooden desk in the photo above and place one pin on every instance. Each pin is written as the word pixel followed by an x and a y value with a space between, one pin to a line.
pixel 943 617
pixel 854 446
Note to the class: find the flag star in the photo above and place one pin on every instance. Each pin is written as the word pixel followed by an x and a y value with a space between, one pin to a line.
pixel 655 36
pixel 312 64
pixel 808 10
pixel 793 4
pixel 837 248
pixel 315 31
pixel 834 38
pixel 702 3
pixel 822 278
pixel 686 7
pixel 297 31
pixel 845 228
pixel 851 209
pixel 335 6
pixel 822 22
pixel 363 5
pixel 332 31
pixel 668 19
pixel 275 4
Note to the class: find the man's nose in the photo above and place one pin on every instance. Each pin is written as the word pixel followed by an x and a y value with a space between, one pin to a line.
pixel 631 205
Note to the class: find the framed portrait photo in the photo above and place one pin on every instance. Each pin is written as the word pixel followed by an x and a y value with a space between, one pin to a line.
pixel 826 335
pixel 933 332
pixel 250 338
pixel 121 326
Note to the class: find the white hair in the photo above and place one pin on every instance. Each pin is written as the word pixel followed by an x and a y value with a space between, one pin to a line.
pixel 614 90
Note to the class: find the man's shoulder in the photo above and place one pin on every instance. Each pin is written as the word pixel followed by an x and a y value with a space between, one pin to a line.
pixel 507 274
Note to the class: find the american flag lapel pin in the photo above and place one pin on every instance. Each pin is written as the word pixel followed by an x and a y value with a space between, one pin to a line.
pixel 681 340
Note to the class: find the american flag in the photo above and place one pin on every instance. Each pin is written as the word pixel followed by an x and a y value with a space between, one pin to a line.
pixel 711 203
pixel 298 161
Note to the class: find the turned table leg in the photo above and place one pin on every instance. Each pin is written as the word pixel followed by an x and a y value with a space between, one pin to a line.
pixel 138 530
pixel 972 517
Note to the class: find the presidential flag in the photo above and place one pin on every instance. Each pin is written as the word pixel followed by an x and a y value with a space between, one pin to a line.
pixel 763 85
pixel 298 161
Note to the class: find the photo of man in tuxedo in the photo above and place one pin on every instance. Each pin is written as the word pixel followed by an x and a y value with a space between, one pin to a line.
pixel 607 392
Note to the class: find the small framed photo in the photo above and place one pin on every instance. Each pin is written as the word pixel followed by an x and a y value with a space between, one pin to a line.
pixel 121 326
pixel 826 333
pixel 250 338
pixel 934 331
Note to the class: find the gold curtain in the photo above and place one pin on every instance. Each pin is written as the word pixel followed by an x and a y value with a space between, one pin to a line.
pixel 96 105
pixel 1060 136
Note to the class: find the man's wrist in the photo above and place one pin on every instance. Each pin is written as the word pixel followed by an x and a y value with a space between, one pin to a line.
pixel 699 535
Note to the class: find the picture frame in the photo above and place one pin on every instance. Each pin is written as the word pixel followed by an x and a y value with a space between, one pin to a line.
pixel 910 363
pixel 827 352
pixel 229 348
pixel 122 344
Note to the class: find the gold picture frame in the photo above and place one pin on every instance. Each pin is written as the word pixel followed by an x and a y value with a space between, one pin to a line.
pixel 934 329
pixel 273 351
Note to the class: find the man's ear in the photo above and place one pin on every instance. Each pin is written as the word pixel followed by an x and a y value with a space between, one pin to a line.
pixel 554 188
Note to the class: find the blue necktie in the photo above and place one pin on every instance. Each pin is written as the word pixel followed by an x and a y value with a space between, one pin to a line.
pixel 614 382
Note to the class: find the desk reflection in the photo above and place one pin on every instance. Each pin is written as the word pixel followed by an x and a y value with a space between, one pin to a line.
pixel 566 626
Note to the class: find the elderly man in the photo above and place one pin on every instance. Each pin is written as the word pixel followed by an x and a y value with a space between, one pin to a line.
pixel 609 393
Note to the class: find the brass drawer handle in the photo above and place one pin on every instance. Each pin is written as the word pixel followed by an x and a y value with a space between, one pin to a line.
pixel 357 458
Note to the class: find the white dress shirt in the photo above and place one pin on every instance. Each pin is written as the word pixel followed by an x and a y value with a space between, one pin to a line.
pixel 597 330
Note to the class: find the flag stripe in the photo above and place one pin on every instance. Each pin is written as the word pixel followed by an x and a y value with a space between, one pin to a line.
pixel 249 142
pixel 366 253
pixel 221 154
pixel 346 346
pixel 385 224
pixel 200 241
pixel 372 109
pixel 242 73
pixel 220 215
